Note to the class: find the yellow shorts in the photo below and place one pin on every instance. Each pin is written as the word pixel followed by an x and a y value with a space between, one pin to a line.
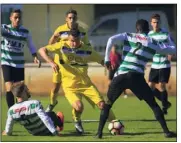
pixel 56 77
pixel 90 93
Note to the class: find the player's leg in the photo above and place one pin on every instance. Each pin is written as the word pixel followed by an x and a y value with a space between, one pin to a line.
pixel 93 96
pixel 115 89
pixel 153 80
pixel 58 119
pixel 54 91
pixel 7 74
pixel 164 76
pixel 137 86
pixel 75 101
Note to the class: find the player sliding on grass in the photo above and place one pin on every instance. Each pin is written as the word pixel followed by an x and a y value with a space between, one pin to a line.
pixel 130 74
pixel 74 56
pixel 31 115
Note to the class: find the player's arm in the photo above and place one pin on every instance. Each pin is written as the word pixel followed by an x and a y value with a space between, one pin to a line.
pixel 111 41
pixel 163 47
pixel 96 57
pixel 55 37
pixel 45 118
pixel 9 125
pixel 4 29
pixel 50 48
pixel 32 49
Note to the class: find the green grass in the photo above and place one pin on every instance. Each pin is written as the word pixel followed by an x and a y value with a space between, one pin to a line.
pixel 139 121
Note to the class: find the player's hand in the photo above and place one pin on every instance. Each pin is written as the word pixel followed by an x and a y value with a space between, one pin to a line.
pixel 37 61
pixel 56 35
pixel 55 67
pixel 108 65
pixel 169 57
pixel 4 133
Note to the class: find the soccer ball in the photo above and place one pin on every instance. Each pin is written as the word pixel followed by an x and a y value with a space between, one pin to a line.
pixel 116 127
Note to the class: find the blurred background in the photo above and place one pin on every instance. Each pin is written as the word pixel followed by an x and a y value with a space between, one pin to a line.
pixel 100 20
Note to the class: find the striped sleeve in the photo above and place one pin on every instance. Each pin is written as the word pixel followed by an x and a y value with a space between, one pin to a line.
pixel 31 45
pixel 9 124
pixel 162 47
pixel 45 118
pixel 113 40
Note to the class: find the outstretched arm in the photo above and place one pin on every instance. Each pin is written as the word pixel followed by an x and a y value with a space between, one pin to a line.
pixel 112 40
pixel 9 125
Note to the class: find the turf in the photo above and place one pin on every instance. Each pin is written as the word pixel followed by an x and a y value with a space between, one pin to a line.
pixel 140 124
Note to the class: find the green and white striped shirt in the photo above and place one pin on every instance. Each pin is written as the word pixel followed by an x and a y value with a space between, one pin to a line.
pixel 31 115
pixel 159 60
pixel 13 41
pixel 140 49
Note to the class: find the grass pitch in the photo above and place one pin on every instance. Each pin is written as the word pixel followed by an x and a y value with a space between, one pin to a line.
pixel 138 119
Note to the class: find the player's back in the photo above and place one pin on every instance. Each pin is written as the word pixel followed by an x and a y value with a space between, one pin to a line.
pixel 26 114
pixel 138 53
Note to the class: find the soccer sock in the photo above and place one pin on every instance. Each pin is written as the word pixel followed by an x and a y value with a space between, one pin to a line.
pixel 160 117
pixel 111 115
pixel 103 117
pixel 157 94
pixel 53 98
pixel 76 115
pixel 9 99
pixel 164 96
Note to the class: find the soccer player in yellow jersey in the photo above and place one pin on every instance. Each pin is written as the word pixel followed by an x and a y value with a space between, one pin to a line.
pixel 73 58
pixel 61 34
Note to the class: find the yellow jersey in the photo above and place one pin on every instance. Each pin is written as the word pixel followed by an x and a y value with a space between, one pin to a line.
pixel 63 30
pixel 73 63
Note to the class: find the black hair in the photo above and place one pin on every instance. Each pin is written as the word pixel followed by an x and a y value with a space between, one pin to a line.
pixel 16 11
pixel 74 32
pixel 142 26
pixel 71 11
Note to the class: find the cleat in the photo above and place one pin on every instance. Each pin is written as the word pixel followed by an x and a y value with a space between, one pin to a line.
pixel 61 117
pixel 170 135
pixel 98 136
pixel 79 128
pixel 51 107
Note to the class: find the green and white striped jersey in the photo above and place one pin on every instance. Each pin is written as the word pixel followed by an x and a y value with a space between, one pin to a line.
pixel 31 115
pixel 140 49
pixel 160 60
pixel 13 41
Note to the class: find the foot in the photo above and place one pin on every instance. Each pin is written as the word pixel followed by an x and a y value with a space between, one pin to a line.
pixel 170 135
pixel 79 128
pixel 164 109
pixel 98 135
pixel 61 117
pixel 51 107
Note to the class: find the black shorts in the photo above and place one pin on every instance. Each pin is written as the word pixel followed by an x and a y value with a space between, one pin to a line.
pixel 159 75
pixel 133 81
pixel 12 74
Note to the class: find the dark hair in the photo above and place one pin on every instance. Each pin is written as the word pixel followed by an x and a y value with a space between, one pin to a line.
pixel 155 16
pixel 74 32
pixel 17 89
pixel 16 11
pixel 142 26
pixel 71 11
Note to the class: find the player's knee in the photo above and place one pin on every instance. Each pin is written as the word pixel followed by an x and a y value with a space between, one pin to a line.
pixel 163 86
pixel 8 86
pixel 101 105
pixel 151 85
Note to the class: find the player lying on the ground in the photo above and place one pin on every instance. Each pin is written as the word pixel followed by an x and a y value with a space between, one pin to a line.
pixel 131 71
pixel 30 114
pixel 73 65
